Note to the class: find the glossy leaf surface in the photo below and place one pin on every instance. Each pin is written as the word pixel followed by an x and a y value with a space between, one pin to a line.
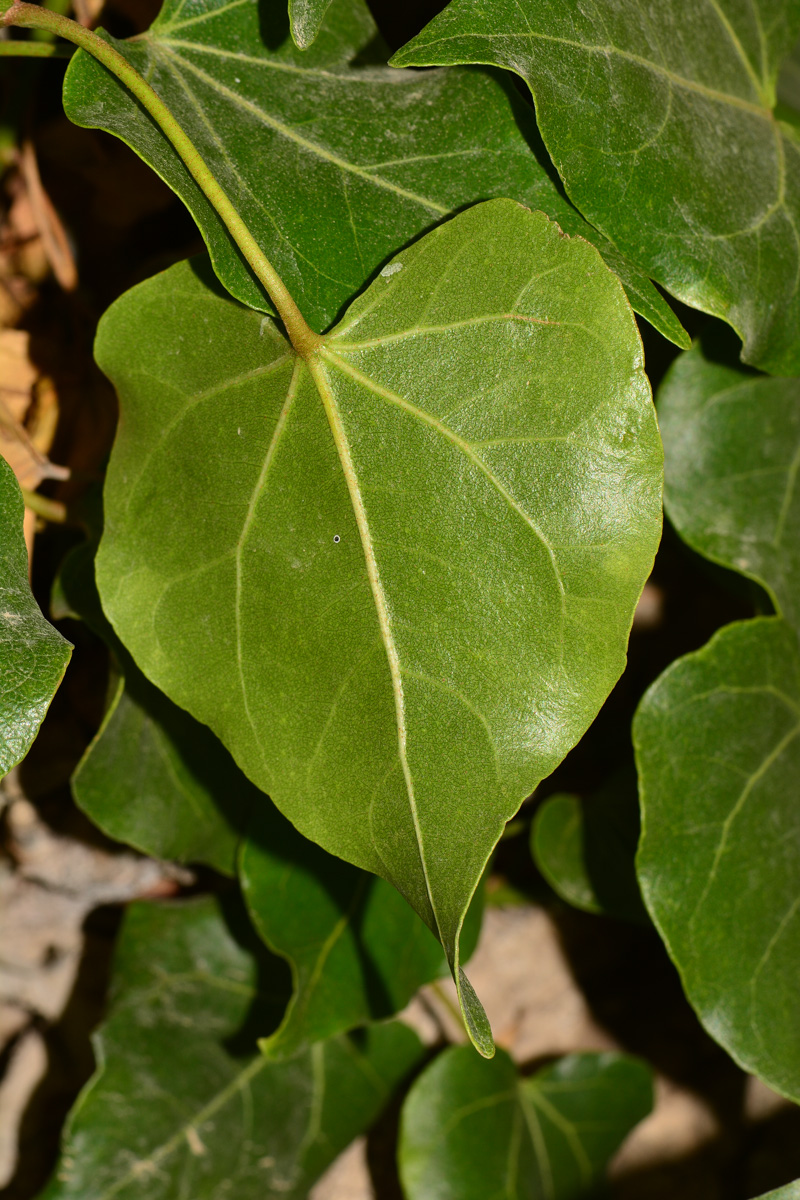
pixel 332 161
pixel 732 452
pixel 718 750
pixel 659 119
pixel 305 18
pixel 418 591
pixel 152 776
pixel 183 1105
pixel 585 848
pixel 473 1129
pixel 33 655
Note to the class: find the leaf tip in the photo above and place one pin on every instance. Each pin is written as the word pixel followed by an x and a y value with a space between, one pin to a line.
pixel 475 1019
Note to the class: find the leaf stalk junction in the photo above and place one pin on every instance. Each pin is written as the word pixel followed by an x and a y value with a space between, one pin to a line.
pixel 31 16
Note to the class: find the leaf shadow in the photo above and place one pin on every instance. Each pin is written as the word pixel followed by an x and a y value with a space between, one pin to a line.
pixel 348 887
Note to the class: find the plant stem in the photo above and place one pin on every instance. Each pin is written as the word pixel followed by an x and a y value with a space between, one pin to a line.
pixel 9 49
pixel 50 510
pixel 31 16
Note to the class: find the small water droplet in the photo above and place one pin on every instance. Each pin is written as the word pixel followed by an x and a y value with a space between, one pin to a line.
pixel 336 537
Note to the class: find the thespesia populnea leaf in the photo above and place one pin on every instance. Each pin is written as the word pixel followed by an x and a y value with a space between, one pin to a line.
pixel 585 847
pixel 33 655
pixel 660 121
pixel 358 952
pixel 183 1104
pixel 472 1129
pixel 305 19
pixel 731 456
pixel 332 159
pixel 718 750
pixel 397 579
pixel 152 776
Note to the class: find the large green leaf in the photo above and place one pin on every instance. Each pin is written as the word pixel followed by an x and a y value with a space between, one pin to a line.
pixel 718 750
pixel 152 776
pixel 333 164
pixel 473 1129
pixel 585 848
pixel 183 1105
pixel 732 454
pixel 358 953
pixel 33 656
pixel 659 119
pixel 397 581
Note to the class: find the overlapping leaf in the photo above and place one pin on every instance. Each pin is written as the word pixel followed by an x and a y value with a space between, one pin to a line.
pixel 717 735
pixel 358 952
pixel 585 849
pixel 333 164
pixel 473 1129
pixel 153 776
pixel 732 447
pixel 33 656
pixel 660 121
pixel 718 749
pixel 397 581
pixel 183 1105
pixel 305 18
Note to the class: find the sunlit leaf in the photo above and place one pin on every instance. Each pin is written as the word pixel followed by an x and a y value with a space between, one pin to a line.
pixel 33 656
pixel 333 161
pixel 418 589
pixel 660 121
pixel 182 1104
pixel 305 17
pixel 472 1129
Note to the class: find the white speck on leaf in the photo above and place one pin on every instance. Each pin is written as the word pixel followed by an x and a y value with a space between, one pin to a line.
pixel 263 326
pixel 391 269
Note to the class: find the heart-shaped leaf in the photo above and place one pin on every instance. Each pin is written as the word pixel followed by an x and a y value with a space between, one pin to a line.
pixel 472 1129
pixel 718 750
pixel 331 164
pixel 183 1105
pixel 661 124
pixel 358 953
pixel 305 18
pixel 418 589
pixel 585 848
pixel 33 656
pixel 152 776
pixel 732 454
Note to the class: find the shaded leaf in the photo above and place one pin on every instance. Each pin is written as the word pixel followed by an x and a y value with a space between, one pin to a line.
pixel 718 749
pixel 182 1104
pixel 33 656
pixel 358 952
pixel 331 164
pixel 418 590
pixel 660 122
pixel 472 1129
pixel 732 453
pixel 585 848
pixel 305 17
pixel 152 776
